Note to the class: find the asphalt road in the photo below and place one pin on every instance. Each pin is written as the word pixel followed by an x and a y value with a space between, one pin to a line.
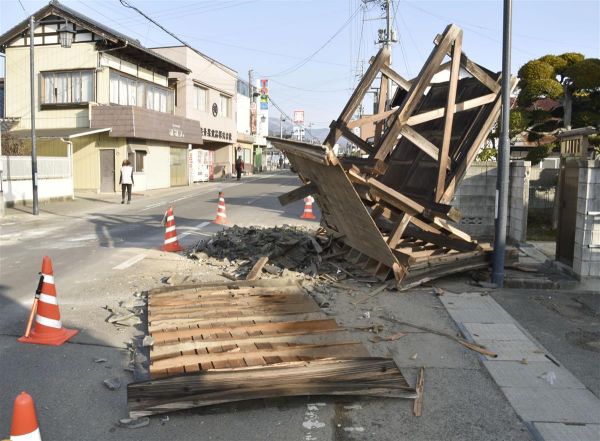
pixel 103 252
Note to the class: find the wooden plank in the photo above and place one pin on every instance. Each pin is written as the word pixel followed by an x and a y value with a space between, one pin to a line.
pixel 303 337
pixel 381 105
pixel 442 240
pixel 217 314
pixel 443 159
pixel 166 325
pixel 418 404
pixel 217 295
pixel 297 194
pixel 430 115
pixel 257 268
pixel 357 376
pixel 452 230
pixel 309 350
pixel 215 286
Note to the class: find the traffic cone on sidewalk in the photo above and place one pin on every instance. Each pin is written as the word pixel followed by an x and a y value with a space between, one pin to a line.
pixel 24 425
pixel 308 211
pixel 221 218
pixel 48 328
pixel 171 243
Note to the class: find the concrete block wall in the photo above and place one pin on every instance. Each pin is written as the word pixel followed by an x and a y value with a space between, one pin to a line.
pixel 476 199
pixel 586 256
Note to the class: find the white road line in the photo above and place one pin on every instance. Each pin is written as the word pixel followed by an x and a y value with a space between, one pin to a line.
pixel 251 201
pixel 149 207
pixel 197 227
pixel 130 262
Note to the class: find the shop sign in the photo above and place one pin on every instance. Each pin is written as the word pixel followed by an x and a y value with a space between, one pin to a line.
pixel 217 134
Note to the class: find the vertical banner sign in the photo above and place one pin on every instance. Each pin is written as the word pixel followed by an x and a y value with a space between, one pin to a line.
pixel 298 116
pixel 264 94
pixel 253 117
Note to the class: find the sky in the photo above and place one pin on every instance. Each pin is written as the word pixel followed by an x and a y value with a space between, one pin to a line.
pixel 314 51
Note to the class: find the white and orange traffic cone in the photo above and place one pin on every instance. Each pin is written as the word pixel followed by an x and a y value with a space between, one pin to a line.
pixel 171 243
pixel 308 211
pixel 221 218
pixel 48 329
pixel 24 425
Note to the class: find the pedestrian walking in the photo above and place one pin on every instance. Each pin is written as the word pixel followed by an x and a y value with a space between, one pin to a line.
pixel 126 181
pixel 239 166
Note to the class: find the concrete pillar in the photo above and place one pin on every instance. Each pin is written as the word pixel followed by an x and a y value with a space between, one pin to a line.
pixel 518 202
pixel 586 256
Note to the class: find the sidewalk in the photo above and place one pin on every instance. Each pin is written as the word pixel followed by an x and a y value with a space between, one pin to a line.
pixel 85 202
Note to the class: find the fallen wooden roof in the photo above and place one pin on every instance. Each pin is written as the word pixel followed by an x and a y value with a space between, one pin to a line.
pixel 391 207
pixel 225 342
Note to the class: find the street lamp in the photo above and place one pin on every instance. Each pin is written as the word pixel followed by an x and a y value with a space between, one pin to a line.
pixel 65 35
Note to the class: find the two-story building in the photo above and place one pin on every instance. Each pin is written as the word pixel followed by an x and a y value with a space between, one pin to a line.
pixel 104 99
pixel 207 93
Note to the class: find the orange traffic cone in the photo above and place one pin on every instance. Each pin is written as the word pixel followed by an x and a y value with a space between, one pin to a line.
pixel 308 212
pixel 24 425
pixel 48 328
pixel 221 218
pixel 171 243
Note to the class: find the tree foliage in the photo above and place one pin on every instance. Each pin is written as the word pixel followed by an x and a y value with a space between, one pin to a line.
pixel 569 77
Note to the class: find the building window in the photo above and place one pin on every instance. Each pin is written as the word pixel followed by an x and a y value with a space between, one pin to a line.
pixel 225 106
pixel 201 98
pixel 127 91
pixel 139 160
pixel 74 87
pixel 243 88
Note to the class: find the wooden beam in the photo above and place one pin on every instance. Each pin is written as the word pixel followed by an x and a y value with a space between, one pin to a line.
pixel 395 198
pixel 297 194
pixel 420 118
pixel 443 159
pixel 416 91
pixel 418 404
pixel 475 70
pixel 383 92
pixel 394 239
pixel 360 143
pixel 420 141
pixel 372 118
pixel 396 77
pixel 382 57
pixel 442 240
pixel 452 230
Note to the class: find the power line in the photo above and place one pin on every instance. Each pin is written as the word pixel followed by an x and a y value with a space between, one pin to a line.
pixel 211 60
pixel 307 59
pixel 22 7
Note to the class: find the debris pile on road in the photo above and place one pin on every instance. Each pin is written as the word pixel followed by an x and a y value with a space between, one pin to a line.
pixel 294 248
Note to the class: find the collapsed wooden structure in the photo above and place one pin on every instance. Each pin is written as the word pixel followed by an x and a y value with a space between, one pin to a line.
pixel 224 342
pixel 391 206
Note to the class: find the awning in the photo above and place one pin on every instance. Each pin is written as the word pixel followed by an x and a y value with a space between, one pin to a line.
pixel 133 147
pixel 58 133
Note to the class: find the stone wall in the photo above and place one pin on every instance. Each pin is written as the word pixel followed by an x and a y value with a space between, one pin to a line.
pixel 476 199
pixel 586 257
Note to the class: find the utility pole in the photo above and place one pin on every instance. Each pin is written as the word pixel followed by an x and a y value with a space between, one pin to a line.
pixel 36 209
pixel 503 154
pixel 281 120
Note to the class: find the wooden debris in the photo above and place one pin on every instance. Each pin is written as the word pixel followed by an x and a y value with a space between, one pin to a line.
pixel 418 404
pixel 257 268
pixel 472 346
pixel 225 342
pixel 391 206
pixel 372 294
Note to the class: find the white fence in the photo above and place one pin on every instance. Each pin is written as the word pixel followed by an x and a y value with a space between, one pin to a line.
pixel 55 180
